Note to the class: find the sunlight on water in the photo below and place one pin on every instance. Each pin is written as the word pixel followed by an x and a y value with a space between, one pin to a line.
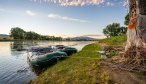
pixel 5 48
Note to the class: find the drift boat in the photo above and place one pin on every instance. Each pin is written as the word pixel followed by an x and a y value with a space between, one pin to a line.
pixel 44 56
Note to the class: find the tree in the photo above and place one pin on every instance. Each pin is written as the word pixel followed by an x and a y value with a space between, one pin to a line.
pixel 106 33
pixel 17 33
pixel 126 22
pixel 135 48
pixel 114 30
pixel 32 36
pixel 123 30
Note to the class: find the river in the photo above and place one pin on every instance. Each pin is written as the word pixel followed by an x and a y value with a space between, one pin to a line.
pixel 14 67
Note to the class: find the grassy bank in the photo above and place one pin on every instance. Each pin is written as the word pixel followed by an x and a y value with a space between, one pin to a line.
pixel 81 68
pixel 117 40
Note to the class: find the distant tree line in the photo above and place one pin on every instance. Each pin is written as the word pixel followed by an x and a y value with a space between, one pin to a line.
pixel 19 34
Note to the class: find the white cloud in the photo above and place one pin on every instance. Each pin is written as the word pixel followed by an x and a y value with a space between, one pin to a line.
pixel 55 16
pixel 30 13
pixel 80 2
pixel 109 4
pixel 73 2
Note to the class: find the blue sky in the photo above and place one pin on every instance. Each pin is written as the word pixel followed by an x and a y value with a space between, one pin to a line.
pixel 48 18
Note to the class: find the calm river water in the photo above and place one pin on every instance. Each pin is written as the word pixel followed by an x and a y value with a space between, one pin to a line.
pixel 14 67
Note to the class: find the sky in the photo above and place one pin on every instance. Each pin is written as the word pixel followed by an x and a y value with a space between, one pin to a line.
pixel 62 18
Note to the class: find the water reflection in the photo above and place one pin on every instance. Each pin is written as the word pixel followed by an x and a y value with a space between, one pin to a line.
pixel 22 45
pixel 19 48
pixel 4 48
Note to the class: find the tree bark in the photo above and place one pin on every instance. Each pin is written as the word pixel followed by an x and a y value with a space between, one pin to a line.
pixel 142 7
pixel 142 19
pixel 136 34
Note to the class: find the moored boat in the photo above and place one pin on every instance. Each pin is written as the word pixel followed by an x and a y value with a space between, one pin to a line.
pixel 68 50
pixel 44 56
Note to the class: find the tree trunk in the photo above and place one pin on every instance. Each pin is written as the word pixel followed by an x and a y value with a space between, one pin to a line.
pixel 142 12
pixel 136 34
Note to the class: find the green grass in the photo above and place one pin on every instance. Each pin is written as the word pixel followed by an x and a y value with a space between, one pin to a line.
pixel 81 68
pixel 117 40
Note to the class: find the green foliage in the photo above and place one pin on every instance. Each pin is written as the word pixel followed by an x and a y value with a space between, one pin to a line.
pixel 114 29
pixel 32 35
pixel 106 32
pixel 117 40
pixel 51 38
pixel 17 33
pixel 80 68
pixel 126 22
pixel 123 30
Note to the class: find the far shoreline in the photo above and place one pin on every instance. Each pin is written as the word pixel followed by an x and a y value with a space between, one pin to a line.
pixel 45 40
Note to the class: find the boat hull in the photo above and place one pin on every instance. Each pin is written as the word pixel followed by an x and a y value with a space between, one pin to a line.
pixel 69 51
pixel 47 59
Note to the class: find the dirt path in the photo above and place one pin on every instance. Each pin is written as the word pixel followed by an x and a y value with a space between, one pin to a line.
pixel 119 76
pixel 122 76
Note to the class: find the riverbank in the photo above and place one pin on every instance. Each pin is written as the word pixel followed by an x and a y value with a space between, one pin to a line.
pixel 87 67
pixel 3 40
pixel 81 68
